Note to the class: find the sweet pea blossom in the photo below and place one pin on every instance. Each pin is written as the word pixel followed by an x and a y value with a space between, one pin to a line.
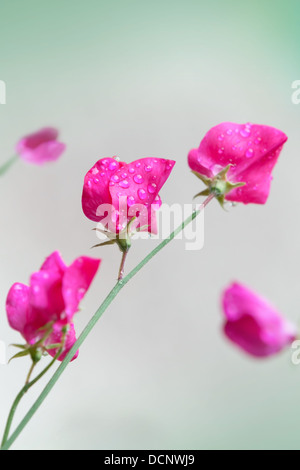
pixel 40 147
pixel 245 153
pixel 43 309
pixel 114 192
pixel 253 324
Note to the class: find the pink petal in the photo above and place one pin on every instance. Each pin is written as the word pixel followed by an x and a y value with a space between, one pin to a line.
pixel 54 263
pixel 46 295
pixel 77 281
pixel 140 182
pixel 253 324
pixel 17 307
pixel 41 147
pixel 251 149
pixel 56 338
pixel 96 187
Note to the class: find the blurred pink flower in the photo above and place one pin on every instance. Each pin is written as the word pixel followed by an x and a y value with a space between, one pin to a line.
pixel 40 147
pixel 125 191
pixel 52 298
pixel 253 324
pixel 252 151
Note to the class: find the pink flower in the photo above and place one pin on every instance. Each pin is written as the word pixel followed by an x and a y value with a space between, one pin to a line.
pixel 253 324
pixel 41 147
pixel 251 150
pixel 51 299
pixel 114 192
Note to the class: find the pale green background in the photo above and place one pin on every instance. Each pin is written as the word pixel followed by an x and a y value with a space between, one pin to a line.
pixel 141 78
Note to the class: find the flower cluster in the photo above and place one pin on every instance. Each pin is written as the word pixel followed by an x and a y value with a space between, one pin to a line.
pixel 43 311
pixel 234 161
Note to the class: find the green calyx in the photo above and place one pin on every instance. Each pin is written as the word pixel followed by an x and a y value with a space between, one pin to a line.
pixel 122 239
pixel 219 186
pixel 38 349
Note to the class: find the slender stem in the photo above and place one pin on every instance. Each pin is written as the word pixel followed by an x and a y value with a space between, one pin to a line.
pixel 19 397
pixel 113 293
pixel 6 166
pixel 30 373
pixel 122 266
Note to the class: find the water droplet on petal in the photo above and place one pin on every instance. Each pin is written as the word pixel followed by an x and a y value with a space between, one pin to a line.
pixel 138 179
pixel 229 132
pixel 152 188
pixel 130 201
pixel 96 181
pixel 148 168
pixel 102 174
pixel 111 183
pixel 131 170
pixel 257 141
pixel 81 292
pixel 245 132
pixel 221 137
pixel 95 171
pixel 113 165
pixel 115 178
pixel 249 153
pixel 124 175
pixel 142 194
pixel 138 164
pixel 124 184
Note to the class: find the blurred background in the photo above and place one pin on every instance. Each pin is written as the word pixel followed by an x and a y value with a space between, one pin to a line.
pixel 134 78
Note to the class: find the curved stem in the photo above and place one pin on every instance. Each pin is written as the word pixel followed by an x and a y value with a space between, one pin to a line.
pixel 122 266
pixel 103 307
pixel 24 390
pixel 6 166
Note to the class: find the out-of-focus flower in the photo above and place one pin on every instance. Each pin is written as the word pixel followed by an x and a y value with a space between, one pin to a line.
pixel 253 324
pixel 235 161
pixel 43 311
pixel 40 147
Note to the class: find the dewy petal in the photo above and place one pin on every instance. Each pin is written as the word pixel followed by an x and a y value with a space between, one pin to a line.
pixel 141 180
pixel 56 338
pixel 54 263
pixel 252 151
pixel 139 183
pixel 17 307
pixel 46 299
pixel 76 282
pixel 254 324
pixel 96 187
pixel 41 146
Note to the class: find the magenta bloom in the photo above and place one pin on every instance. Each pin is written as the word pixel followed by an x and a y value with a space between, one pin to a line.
pixel 253 324
pixel 52 298
pixel 114 192
pixel 252 151
pixel 41 147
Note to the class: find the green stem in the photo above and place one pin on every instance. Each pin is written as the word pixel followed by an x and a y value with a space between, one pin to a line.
pixel 19 397
pixel 113 293
pixel 6 166
pixel 122 266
